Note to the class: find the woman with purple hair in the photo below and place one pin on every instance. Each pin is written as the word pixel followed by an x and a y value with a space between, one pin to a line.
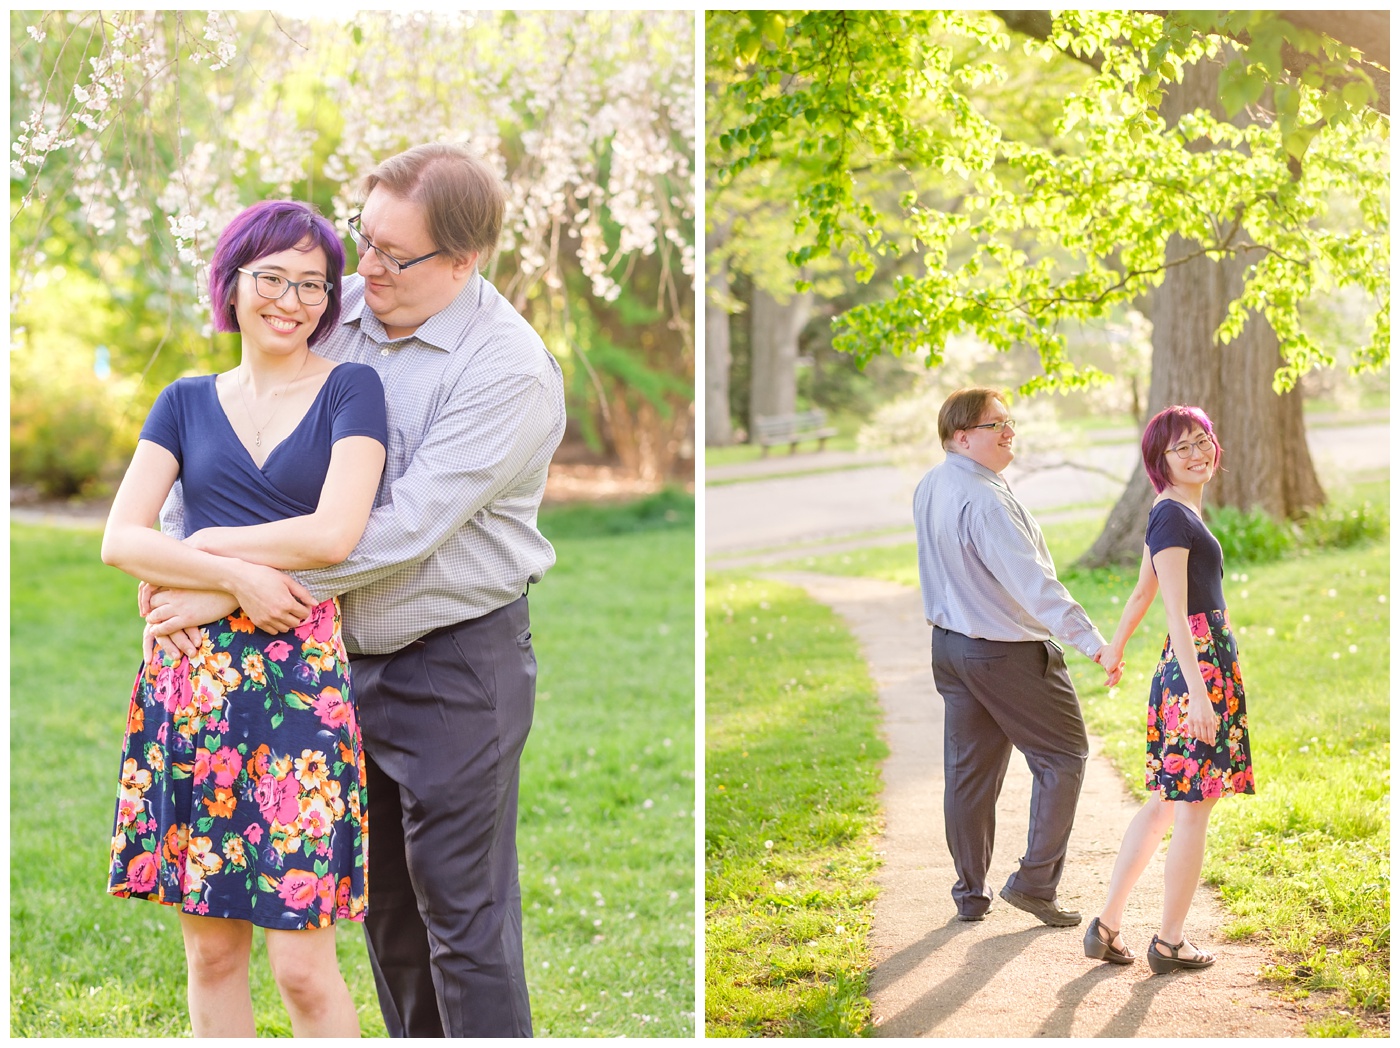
pixel 1197 731
pixel 242 785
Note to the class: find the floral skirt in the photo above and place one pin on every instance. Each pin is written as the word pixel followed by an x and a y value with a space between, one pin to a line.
pixel 243 782
pixel 1181 766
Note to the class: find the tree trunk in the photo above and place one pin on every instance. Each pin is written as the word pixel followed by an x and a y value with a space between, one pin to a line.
pixel 718 429
pixel 648 440
pixel 774 328
pixel 1265 458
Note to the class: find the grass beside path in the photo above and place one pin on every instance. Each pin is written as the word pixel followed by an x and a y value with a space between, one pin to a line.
pixel 1305 863
pixel 606 808
pixel 792 774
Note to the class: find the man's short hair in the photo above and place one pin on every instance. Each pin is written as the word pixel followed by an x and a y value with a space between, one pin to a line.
pixel 462 198
pixel 964 409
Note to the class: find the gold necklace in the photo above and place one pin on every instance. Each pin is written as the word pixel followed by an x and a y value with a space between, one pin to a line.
pixel 257 431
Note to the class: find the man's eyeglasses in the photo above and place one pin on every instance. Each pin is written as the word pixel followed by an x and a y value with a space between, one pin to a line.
pixel 1183 450
pixel 270 285
pixel 392 264
pixel 997 427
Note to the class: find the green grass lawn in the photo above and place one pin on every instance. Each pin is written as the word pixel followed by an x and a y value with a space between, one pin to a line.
pixel 1305 863
pixel 606 838
pixel 792 775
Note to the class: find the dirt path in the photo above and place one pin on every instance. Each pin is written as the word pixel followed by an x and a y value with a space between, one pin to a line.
pixel 1010 975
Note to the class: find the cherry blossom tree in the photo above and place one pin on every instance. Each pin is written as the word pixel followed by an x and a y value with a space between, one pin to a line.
pixel 137 135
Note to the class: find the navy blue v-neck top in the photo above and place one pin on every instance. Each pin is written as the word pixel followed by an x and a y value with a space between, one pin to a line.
pixel 223 487
pixel 1173 525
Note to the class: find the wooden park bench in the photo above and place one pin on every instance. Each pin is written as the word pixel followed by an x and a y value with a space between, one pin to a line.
pixel 790 429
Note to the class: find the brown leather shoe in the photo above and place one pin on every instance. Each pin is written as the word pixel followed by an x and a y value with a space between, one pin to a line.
pixel 1048 910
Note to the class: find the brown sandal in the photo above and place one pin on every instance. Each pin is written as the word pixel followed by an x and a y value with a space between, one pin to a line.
pixel 1098 945
pixel 1160 963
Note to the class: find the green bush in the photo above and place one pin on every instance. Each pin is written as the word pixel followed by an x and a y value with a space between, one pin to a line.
pixel 1251 537
pixel 66 437
pixel 1257 538
pixel 1344 525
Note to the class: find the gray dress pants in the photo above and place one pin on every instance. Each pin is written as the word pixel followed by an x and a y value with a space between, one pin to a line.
pixel 996 695
pixel 444 722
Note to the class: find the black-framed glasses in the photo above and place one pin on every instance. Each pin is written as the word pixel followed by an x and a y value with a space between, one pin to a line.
pixel 1183 450
pixel 270 285
pixel 364 243
pixel 997 427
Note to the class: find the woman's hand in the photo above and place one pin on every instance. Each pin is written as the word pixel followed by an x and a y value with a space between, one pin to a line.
pixel 274 602
pixel 1201 720
pixel 1111 659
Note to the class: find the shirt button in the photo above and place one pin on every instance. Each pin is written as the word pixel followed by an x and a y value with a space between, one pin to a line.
pixel 384 352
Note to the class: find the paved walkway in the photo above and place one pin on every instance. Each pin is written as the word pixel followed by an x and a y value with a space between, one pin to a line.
pixel 832 506
pixel 1010 975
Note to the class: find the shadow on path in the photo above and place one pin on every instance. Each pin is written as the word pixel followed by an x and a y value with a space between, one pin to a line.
pixel 940 1002
pixel 1008 976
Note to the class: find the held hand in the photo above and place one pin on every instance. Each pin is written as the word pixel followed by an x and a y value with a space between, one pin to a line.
pixel 1201 720
pixel 1111 659
pixel 179 611
pixel 144 592
pixel 1115 675
pixel 182 642
pixel 274 602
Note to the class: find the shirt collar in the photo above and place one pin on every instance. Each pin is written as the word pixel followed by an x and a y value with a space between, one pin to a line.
pixel 442 330
pixel 976 468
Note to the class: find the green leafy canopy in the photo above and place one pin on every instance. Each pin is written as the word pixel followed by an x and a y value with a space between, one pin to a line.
pixel 907 146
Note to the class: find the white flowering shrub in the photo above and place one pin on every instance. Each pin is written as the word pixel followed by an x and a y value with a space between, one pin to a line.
pixel 137 135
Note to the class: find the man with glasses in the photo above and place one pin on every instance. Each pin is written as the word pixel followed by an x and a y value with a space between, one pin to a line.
pixel 991 596
pixel 433 604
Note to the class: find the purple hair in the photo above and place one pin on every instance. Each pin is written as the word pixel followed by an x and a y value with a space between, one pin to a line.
pixel 1165 428
pixel 265 229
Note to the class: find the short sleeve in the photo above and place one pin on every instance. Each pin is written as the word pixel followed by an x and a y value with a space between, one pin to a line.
pixel 359 404
pixel 163 423
pixel 1169 527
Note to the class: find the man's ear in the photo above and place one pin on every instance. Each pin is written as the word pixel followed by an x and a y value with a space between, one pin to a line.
pixel 463 269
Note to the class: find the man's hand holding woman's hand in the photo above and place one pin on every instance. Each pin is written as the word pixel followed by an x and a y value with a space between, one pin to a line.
pixel 273 601
pixel 1111 659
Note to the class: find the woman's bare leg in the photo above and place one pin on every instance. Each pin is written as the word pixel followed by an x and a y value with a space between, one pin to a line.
pixel 1185 855
pixel 216 960
pixel 308 977
pixel 1140 841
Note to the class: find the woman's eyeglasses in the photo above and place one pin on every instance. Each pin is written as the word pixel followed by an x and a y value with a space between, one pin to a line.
pixel 270 285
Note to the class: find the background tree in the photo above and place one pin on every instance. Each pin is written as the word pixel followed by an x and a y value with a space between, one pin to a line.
pixel 137 135
pixel 749 281
pixel 1294 196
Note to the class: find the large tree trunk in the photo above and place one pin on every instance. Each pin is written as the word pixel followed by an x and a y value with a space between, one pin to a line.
pixel 718 430
pixel 774 328
pixel 1266 459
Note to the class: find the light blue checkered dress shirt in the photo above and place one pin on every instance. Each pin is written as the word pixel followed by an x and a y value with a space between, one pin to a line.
pixel 984 568
pixel 476 410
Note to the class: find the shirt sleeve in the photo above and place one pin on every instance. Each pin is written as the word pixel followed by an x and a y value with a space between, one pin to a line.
pixel 359 405
pixel 162 427
pixel 1168 528
pixel 473 450
pixel 1015 559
